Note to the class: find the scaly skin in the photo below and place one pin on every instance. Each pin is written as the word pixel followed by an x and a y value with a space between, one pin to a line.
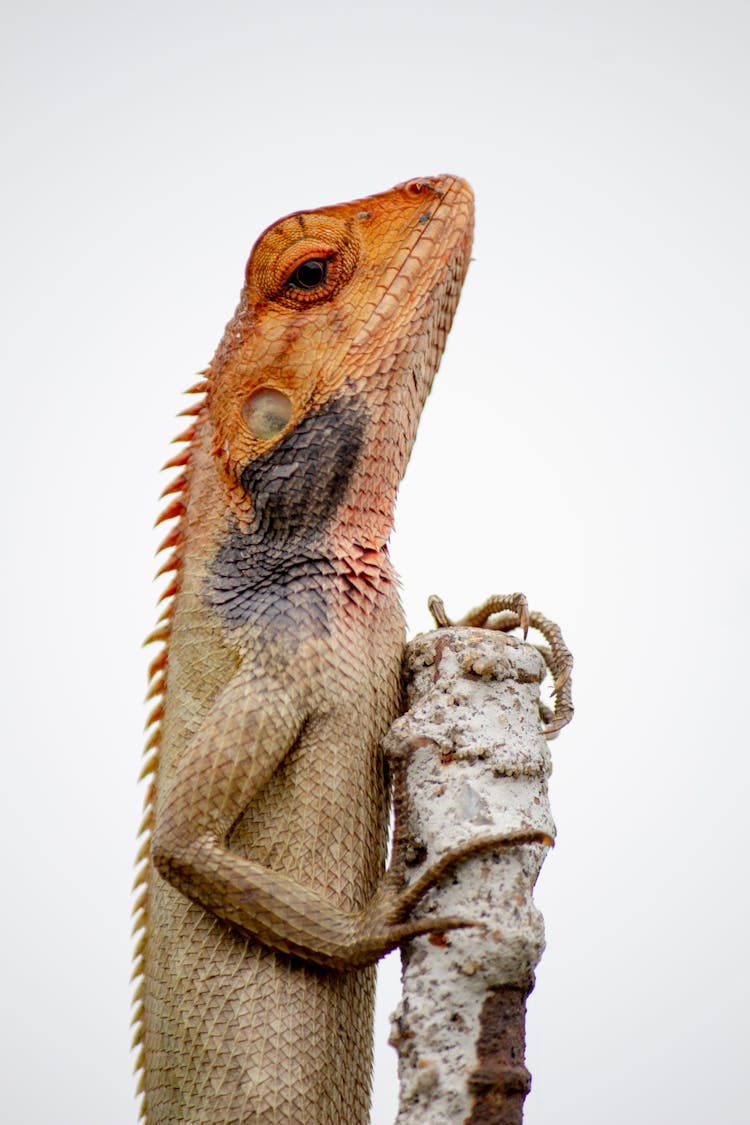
pixel 265 903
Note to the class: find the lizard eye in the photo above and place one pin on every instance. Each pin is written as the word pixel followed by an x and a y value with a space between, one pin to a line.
pixel 302 273
pixel 309 275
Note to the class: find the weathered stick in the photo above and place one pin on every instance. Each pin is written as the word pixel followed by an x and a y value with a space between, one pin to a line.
pixel 469 759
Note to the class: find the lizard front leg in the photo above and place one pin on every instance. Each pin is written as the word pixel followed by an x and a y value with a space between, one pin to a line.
pixel 231 758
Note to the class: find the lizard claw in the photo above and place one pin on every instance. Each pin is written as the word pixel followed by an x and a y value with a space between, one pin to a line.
pixel 423 926
pixel 437 609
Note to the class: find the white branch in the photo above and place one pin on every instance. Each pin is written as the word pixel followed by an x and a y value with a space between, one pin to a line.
pixel 469 760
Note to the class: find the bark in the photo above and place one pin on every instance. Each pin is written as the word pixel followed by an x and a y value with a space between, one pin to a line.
pixel 469 759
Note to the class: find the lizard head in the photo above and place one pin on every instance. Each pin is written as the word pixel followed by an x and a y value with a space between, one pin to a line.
pixel 340 328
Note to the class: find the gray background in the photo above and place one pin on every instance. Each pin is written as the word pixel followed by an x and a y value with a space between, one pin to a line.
pixel 586 442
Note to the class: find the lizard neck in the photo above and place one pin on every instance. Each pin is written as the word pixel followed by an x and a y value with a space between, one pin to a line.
pixel 321 512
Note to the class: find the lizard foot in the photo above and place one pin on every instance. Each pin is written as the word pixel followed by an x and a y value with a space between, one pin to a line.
pixel 500 611
pixel 511 611
pixel 383 920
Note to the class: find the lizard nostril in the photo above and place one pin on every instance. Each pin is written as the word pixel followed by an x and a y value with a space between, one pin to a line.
pixel 417 187
pixel 428 185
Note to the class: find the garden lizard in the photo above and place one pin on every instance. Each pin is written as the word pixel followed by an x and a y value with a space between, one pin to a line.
pixel 263 897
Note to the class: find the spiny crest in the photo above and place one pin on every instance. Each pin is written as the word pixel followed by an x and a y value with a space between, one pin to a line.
pixel 177 491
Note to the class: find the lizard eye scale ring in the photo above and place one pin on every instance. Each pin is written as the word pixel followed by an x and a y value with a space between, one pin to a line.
pixel 303 271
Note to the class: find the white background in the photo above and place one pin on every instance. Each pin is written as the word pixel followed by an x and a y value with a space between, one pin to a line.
pixel 586 442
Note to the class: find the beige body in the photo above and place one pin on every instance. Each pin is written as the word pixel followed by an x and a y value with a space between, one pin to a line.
pixel 223 1012
pixel 266 905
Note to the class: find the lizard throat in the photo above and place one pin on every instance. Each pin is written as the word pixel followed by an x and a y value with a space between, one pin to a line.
pixel 297 488
pixel 319 518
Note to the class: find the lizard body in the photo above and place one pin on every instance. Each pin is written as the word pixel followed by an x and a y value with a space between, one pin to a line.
pixel 264 904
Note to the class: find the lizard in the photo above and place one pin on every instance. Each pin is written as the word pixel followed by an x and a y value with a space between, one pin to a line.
pixel 264 901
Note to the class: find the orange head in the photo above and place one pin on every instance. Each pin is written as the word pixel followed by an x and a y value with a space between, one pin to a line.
pixel 348 304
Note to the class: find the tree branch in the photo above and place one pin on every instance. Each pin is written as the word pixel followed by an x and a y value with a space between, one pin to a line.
pixel 469 759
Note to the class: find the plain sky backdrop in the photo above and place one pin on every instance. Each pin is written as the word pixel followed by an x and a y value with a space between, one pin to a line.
pixel 586 442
